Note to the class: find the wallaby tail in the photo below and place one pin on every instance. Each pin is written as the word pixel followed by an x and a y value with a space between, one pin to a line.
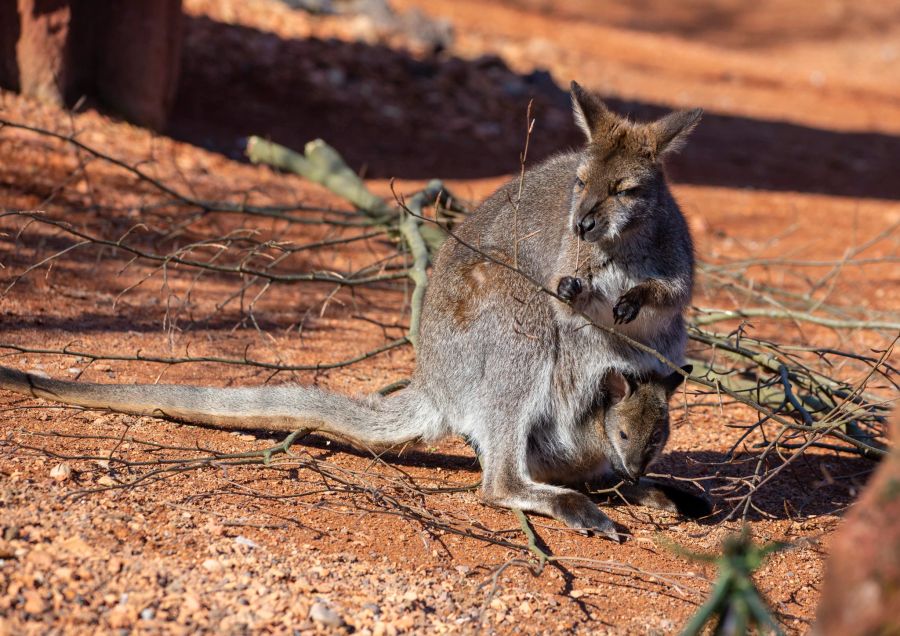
pixel 371 421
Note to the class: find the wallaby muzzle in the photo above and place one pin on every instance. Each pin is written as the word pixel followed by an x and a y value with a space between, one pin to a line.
pixel 590 227
pixel 626 476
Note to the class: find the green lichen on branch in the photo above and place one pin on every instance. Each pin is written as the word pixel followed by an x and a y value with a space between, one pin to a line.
pixel 323 164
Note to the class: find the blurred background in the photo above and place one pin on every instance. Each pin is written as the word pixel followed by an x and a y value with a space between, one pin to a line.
pixel 799 95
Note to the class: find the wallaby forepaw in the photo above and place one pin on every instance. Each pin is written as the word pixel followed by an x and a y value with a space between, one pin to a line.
pixel 569 288
pixel 626 309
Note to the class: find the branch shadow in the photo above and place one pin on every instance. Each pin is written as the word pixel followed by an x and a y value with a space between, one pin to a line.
pixel 816 483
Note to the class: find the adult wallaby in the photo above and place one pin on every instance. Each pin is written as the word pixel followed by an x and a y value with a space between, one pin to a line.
pixel 544 398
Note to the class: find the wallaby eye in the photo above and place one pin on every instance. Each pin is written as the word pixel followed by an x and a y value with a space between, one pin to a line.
pixel 579 184
pixel 623 435
pixel 656 438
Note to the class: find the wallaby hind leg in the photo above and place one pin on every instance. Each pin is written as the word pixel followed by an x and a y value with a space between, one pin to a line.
pixel 508 486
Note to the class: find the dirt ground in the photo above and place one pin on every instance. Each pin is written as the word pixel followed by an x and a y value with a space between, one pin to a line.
pixel 795 159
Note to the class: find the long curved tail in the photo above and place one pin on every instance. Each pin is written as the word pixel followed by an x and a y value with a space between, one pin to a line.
pixel 371 421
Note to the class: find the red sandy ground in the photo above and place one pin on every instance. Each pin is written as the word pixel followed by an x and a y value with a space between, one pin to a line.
pixel 796 159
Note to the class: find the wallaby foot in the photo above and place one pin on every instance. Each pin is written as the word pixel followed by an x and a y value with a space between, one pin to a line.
pixel 573 508
pixel 579 512
pixel 654 494
pixel 569 288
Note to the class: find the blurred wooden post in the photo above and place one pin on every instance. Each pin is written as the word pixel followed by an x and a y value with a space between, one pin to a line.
pixel 125 53
pixel 861 593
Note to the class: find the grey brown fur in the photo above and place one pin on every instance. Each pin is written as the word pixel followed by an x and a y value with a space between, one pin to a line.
pixel 546 400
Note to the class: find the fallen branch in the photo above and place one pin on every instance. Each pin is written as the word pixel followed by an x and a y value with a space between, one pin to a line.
pixel 710 316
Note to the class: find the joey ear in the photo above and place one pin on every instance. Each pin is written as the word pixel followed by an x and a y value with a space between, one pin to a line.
pixel 618 386
pixel 672 381
pixel 587 110
pixel 671 132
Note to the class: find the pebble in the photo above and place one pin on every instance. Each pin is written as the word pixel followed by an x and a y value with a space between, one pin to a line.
pixel 61 472
pixel 34 604
pixel 211 565
pixel 321 613
pixel 242 540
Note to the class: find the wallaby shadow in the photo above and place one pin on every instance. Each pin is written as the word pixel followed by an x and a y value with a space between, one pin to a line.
pixel 815 484
pixel 392 114
pixel 412 456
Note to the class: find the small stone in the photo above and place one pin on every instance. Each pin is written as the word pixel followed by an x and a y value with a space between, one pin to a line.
pixel 121 617
pixel 191 604
pixel 40 558
pixel 148 614
pixel 405 623
pixel 76 545
pixel 61 472
pixel 211 565
pixel 324 615
pixel 6 550
pixel 410 597
pixel 34 604
pixel 242 540
pixel 106 480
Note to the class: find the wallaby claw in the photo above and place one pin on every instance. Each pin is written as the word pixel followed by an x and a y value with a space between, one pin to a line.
pixel 625 310
pixel 569 288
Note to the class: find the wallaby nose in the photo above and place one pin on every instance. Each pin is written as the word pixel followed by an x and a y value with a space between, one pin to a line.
pixel 626 475
pixel 586 224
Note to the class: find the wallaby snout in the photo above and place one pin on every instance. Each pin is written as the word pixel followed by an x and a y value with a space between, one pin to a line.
pixel 627 476
pixel 590 227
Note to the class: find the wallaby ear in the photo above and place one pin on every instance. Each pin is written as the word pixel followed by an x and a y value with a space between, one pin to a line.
pixel 617 385
pixel 672 381
pixel 587 110
pixel 671 132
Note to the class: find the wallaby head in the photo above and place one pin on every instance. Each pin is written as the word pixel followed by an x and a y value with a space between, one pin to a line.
pixel 636 426
pixel 617 185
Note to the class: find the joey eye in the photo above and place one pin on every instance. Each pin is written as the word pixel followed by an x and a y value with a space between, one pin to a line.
pixel 579 184
pixel 623 435
pixel 624 192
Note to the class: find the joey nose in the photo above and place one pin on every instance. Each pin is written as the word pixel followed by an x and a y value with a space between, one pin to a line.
pixel 627 474
pixel 586 224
